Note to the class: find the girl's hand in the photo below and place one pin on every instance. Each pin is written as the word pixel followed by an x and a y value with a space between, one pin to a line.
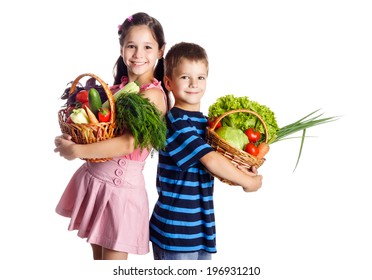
pixel 64 146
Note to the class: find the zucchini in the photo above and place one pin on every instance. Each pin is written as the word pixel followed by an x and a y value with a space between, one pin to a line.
pixel 95 102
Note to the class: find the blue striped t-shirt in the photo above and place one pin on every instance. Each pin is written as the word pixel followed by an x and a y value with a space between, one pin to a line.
pixel 183 216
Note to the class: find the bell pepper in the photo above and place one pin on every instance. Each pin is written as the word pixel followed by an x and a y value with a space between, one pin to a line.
pixel 104 114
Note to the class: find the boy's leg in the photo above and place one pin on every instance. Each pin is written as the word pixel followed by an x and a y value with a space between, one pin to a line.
pixel 160 254
pixel 203 255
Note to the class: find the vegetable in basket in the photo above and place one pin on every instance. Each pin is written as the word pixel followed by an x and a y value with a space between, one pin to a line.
pixel 275 133
pixel 91 116
pixel 104 114
pixel 79 116
pixel 82 96
pixel 253 134
pixel 94 99
pixel 234 136
pixel 263 149
pixel 244 121
pixel 252 149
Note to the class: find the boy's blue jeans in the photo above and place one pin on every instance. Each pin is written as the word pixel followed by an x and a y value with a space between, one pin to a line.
pixel 160 254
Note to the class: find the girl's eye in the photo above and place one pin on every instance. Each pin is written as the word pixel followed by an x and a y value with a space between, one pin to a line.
pixel 130 46
pixel 148 47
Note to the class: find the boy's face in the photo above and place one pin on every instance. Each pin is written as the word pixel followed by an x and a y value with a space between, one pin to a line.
pixel 188 84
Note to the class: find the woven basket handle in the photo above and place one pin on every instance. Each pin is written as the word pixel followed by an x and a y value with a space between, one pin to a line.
pixel 107 90
pixel 219 118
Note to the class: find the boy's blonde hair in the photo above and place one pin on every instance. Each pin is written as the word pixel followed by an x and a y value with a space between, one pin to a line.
pixel 183 50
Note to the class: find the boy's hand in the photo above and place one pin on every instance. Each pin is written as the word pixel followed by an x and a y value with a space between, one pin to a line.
pixel 254 185
pixel 255 181
pixel 252 172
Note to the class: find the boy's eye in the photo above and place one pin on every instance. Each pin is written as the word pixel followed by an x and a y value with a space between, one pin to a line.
pixel 201 78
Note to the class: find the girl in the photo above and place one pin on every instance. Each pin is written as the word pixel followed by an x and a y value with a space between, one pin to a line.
pixel 107 202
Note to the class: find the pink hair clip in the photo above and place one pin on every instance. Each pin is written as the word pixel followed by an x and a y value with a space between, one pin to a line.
pixel 130 18
pixel 120 28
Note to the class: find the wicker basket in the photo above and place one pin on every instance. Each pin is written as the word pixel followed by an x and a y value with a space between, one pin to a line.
pixel 235 155
pixel 89 133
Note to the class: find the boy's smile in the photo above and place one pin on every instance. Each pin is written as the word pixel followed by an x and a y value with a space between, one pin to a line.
pixel 188 84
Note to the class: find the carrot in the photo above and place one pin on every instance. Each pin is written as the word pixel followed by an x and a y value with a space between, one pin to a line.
pixel 263 149
pixel 92 118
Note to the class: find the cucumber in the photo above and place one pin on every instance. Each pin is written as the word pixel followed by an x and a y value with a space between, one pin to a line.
pixel 95 102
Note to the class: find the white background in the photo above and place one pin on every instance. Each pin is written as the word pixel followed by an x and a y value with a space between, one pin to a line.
pixel 293 56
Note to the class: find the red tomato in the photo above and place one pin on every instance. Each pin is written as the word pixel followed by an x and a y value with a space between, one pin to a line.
pixel 253 135
pixel 251 148
pixel 85 104
pixel 211 123
pixel 82 96
pixel 104 115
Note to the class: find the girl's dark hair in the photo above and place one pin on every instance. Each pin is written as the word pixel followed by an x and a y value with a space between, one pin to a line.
pixel 183 50
pixel 120 69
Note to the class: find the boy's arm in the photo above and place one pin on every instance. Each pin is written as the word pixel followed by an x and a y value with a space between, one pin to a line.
pixel 222 167
pixel 117 146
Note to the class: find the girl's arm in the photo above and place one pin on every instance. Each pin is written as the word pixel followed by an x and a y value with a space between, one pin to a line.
pixel 222 167
pixel 117 146
pixel 114 147
pixel 157 97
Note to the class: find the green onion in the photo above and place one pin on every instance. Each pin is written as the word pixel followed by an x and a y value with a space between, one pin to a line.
pixel 302 124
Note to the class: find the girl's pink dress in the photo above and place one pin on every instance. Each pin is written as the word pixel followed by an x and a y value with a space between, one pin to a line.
pixel 107 202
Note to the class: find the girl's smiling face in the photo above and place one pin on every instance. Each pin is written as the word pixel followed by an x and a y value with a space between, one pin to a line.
pixel 188 84
pixel 140 52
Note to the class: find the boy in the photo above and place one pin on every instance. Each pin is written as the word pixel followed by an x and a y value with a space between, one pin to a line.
pixel 182 226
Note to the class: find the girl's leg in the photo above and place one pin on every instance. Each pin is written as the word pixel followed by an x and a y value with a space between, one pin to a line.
pixel 100 253
pixel 108 254
pixel 97 252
